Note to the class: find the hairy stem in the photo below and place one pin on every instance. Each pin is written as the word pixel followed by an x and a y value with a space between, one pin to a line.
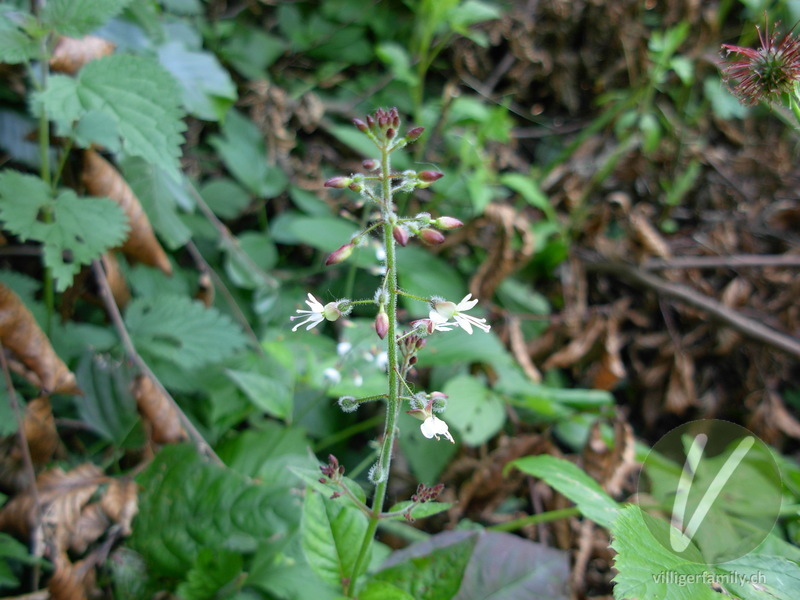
pixel 393 404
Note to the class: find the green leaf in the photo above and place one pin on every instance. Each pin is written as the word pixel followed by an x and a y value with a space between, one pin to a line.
pixel 76 18
pixel 136 92
pixel 332 533
pixel 646 569
pixel 181 331
pixel 436 278
pixel 225 197
pixel 760 577
pixel 161 196
pixel 96 127
pixel 208 91
pixel 11 548
pixel 476 413
pixel 15 45
pixel 251 51
pixel 433 569
pixel 188 504
pixel 241 147
pixel 529 189
pixel 420 511
pixel 77 231
pixel 322 233
pixel 381 590
pixel 267 394
pixel 396 57
pixel 213 569
pixel 262 253
pixel 574 483
pixel 258 453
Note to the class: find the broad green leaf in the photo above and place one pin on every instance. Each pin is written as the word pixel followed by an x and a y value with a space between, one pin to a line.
pixel 96 127
pixel 513 568
pixel 15 45
pixel 183 7
pixel 76 18
pixel 527 187
pixel 458 347
pixel 241 147
pixel 381 590
pixel 433 569
pixel 107 405
pixel 574 483
pixel 225 197
pixel 14 550
pixel 208 91
pixel 760 577
pixel 187 504
pixel 77 231
pixel 136 92
pixel 251 51
pixel 269 395
pixel 332 533
pixel 421 272
pixel 262 253
pixel 396 57
pixel 322 233
pixel 474 411
pixel 254 452
pixel 646 569
pixel 161 196
pixel 182 331
pixel 212 571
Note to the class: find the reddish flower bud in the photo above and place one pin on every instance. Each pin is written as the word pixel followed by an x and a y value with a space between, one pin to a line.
pixel 430 176
pixel 400 234
pixel 340 255
pixel 361 125
pixel 370 164
pixel 413 134
pixel 447 223
pixel 370 122
pixel 339 182
pixel 390 133
pixel 431 236
pixel 382 324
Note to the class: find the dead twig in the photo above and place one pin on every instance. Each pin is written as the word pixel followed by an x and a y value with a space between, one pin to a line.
pixel 113 312
pixel 713 262
pixel 744 325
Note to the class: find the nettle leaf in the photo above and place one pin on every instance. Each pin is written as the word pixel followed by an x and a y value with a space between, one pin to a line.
pixel 574 483
pixel 188 504
pixel 213 570
pixel 136 92
pixel 78 230
pixel 182 331
pixel 76 18
pixel 332 533
pixel 208 90
pixel 15 45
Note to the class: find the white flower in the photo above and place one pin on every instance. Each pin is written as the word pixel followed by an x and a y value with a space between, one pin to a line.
pixel 331 375
pixel 434 427
pixel 442 311
pixel 317 314
pixel 343 348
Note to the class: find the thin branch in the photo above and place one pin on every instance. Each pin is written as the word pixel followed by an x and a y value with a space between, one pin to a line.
pixel 113 312
pixel 27 463
pixel 713 262
pixel 733 319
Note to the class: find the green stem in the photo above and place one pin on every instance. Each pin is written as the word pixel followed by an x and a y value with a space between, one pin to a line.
pixel 394 402
pixel 48 294
pixel 545 517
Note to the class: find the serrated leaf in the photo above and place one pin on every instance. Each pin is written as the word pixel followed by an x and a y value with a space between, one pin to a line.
pixel 207 89
pixel 187 504
pixel 78 231
pixel 332 533
pixel 381 590
pixel 269 395
pixel 76 18
pixel 160 195
pixel 212 570
pixel 574 483
pixel 15 45
pixel 181 331
pixel 139 95
pixel 760 577
pixel 646 569
pixel 312 478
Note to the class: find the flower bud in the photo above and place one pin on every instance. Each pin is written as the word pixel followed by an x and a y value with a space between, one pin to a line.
pixel 339 182
pixel 400 234
pixel 431 236
pixel 382 324
pixel 418 413
pixel 412 135
pixel 331 311
pixel 370 164
pixel 340 255
pixel 361 125
pixel 447 223
pixel 430 176
pixel 348 404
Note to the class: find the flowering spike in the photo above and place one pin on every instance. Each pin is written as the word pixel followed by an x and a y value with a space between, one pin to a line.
pixel 431 236
pixel 340 255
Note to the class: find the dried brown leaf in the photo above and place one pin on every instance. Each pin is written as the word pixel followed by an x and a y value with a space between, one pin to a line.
pixel 681 391
pixel 90 527
pixel 102 179
pixel 577 348
pixel 71 581
pixel 121 502
pixel 160 416
pixel 116 279
pixel 70 54
pixel 39 427
pixel 20 334
pixel 647 235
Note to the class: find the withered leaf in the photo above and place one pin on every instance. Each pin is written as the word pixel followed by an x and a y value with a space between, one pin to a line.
pixel 20 334
pixel 116 280
pixel 70 54
pixel 102 179
pixel 121 503
pixel 160 416
pixel 71 581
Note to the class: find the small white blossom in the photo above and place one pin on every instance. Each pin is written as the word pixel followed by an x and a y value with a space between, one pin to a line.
pixel 442 311
pixel 343 348
pixel 434 427
pixel 332 376
pixel 317 314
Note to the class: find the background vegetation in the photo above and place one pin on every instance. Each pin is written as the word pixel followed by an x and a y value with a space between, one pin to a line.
pixel 631 228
